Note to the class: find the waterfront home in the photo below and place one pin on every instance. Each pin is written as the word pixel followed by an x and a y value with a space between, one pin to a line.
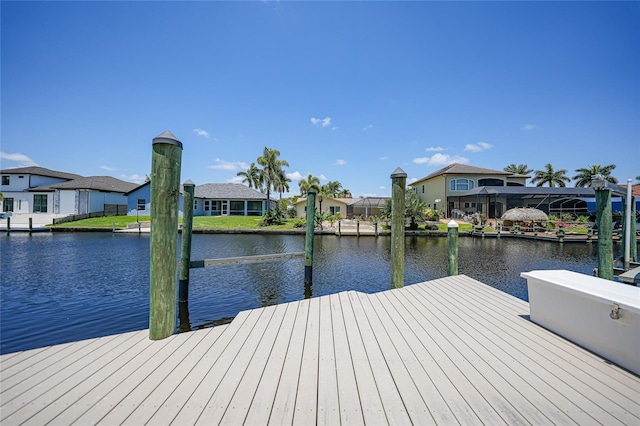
pixel 472 189
pixel 210 199
pixel 41 190
pixel 344 207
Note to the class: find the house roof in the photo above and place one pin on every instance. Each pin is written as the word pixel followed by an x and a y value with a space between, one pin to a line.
pixel 40 171
pixel 358 202
pixel 465 169
pixel 235 191
pixel 99 183
pixel 537 191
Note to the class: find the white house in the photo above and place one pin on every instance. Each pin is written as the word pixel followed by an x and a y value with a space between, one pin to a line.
pixel 40 190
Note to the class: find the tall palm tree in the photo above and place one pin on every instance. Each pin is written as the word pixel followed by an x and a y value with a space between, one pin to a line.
pixel 345 193
pixel 271 168
pixel 583 178
pixel 550 177
pixel 520 169
pixel 251 176
pixel 333 188
pixel 311 182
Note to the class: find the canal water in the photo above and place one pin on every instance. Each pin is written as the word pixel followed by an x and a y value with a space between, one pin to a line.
pixel 58 288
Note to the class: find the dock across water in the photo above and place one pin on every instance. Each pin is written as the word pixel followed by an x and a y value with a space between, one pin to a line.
pixel 448 351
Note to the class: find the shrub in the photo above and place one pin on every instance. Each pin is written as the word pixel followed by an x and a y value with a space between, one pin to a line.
pixel 299 223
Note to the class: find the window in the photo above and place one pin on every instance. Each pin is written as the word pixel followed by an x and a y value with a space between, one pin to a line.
pixel 423 189
pixel 236 208
pixel 195 204
pixel 461 184
pixel 141 204
pixel 334 210
pixel 469 205
pixel 207 205
pixel 7 205
pixel 40 203
pixel 254 208
pixel 6 180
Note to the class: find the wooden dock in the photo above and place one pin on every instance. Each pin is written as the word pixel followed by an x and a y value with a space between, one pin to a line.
pixel 448 351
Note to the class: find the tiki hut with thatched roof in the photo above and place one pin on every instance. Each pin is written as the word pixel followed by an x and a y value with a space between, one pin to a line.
pixel 525 217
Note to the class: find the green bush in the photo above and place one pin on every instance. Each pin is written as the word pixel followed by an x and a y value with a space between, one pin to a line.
pixel 299 223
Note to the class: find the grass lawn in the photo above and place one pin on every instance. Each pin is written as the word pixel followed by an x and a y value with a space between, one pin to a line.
pixel 200 222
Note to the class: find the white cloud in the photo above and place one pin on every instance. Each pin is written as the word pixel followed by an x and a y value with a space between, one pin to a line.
pixel 529 127
pixel 21 159
pixel 201 132
pixel 370 126
pixel 109 169
pixel 384 158
pixel 228 165
pixel 324 122
pixel 441 160
pixel 134 178
pixel 339 163
pixel 413 180
pixel 435 149
pixel 480 146
pixel 294 176
pixel 323 177
pixel 235 179
pixel 382 187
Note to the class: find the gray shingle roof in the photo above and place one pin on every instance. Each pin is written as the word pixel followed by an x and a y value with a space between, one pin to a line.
pixel 465 169
pixel 40 171
pixel 228 191
pixel 99 183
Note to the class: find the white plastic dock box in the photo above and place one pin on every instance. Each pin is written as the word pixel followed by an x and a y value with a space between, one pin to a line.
pixel 600 315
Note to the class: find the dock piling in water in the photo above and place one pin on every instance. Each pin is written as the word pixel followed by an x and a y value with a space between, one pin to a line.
pixel 452 248
pixel 185 248
pixel 604 223
pixel 165 191
pixel 308 242
pixel 398 187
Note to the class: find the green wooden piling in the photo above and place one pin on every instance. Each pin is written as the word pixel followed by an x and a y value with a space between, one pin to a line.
pixel 452 248
pixel 165 191
pixel 605 236
pixel 339 229
pixel 560 233
pixel 634 245
pixel 30 225
pixel 187 231
pixel 358 228
pixel 398 187
pixel 375 229
pixel 8 225
pixel 308 242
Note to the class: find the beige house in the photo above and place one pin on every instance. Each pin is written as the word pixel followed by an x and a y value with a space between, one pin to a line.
pixel 452 188
pixel 347 208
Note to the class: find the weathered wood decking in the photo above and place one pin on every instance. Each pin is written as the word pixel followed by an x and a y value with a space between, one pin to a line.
pixel 446 351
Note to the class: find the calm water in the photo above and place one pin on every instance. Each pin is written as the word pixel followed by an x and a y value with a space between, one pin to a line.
pixel 58 288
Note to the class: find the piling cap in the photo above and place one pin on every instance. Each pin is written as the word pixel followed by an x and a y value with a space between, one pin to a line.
pixel 398 173
pixel 168 138
pixel 311 192
pixel 452 224
pixel 189 182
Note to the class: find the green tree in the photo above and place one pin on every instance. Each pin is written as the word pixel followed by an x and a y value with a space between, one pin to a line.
pixel 282 183
pixel 414 208
pixel 271 169
pixel 583 178
pixel 306 185
pixel 550 177
pixel 251 176
pixel 520 169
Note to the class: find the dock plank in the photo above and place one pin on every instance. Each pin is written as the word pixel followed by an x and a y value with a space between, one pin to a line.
pixel 447 351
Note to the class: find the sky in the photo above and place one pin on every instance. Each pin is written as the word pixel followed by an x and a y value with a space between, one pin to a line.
pixel 346 91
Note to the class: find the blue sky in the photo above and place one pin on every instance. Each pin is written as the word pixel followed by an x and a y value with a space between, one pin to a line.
pixel 347 91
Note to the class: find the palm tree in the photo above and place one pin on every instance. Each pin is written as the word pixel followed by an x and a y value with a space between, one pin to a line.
pixel 550 177
pixel 520 169
pixel 333 188
pixel 583 178
pixel 282 183
pixel 311 182
pixel 251 176
pixel 271 169
pixel 345 193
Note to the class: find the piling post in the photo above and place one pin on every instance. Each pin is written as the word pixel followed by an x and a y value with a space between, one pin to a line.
pixel 633 254
pixel 30 225
pixel 339 228
pixel 560 233
pixel 185 248
pixel 358 228
pixel 165 192
pixel 535 231
pixel 603 219
pixel 376 228
pixel 8 225
pixel 452 248
pixel 499 229
pixel 398 187
pixel 308 242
